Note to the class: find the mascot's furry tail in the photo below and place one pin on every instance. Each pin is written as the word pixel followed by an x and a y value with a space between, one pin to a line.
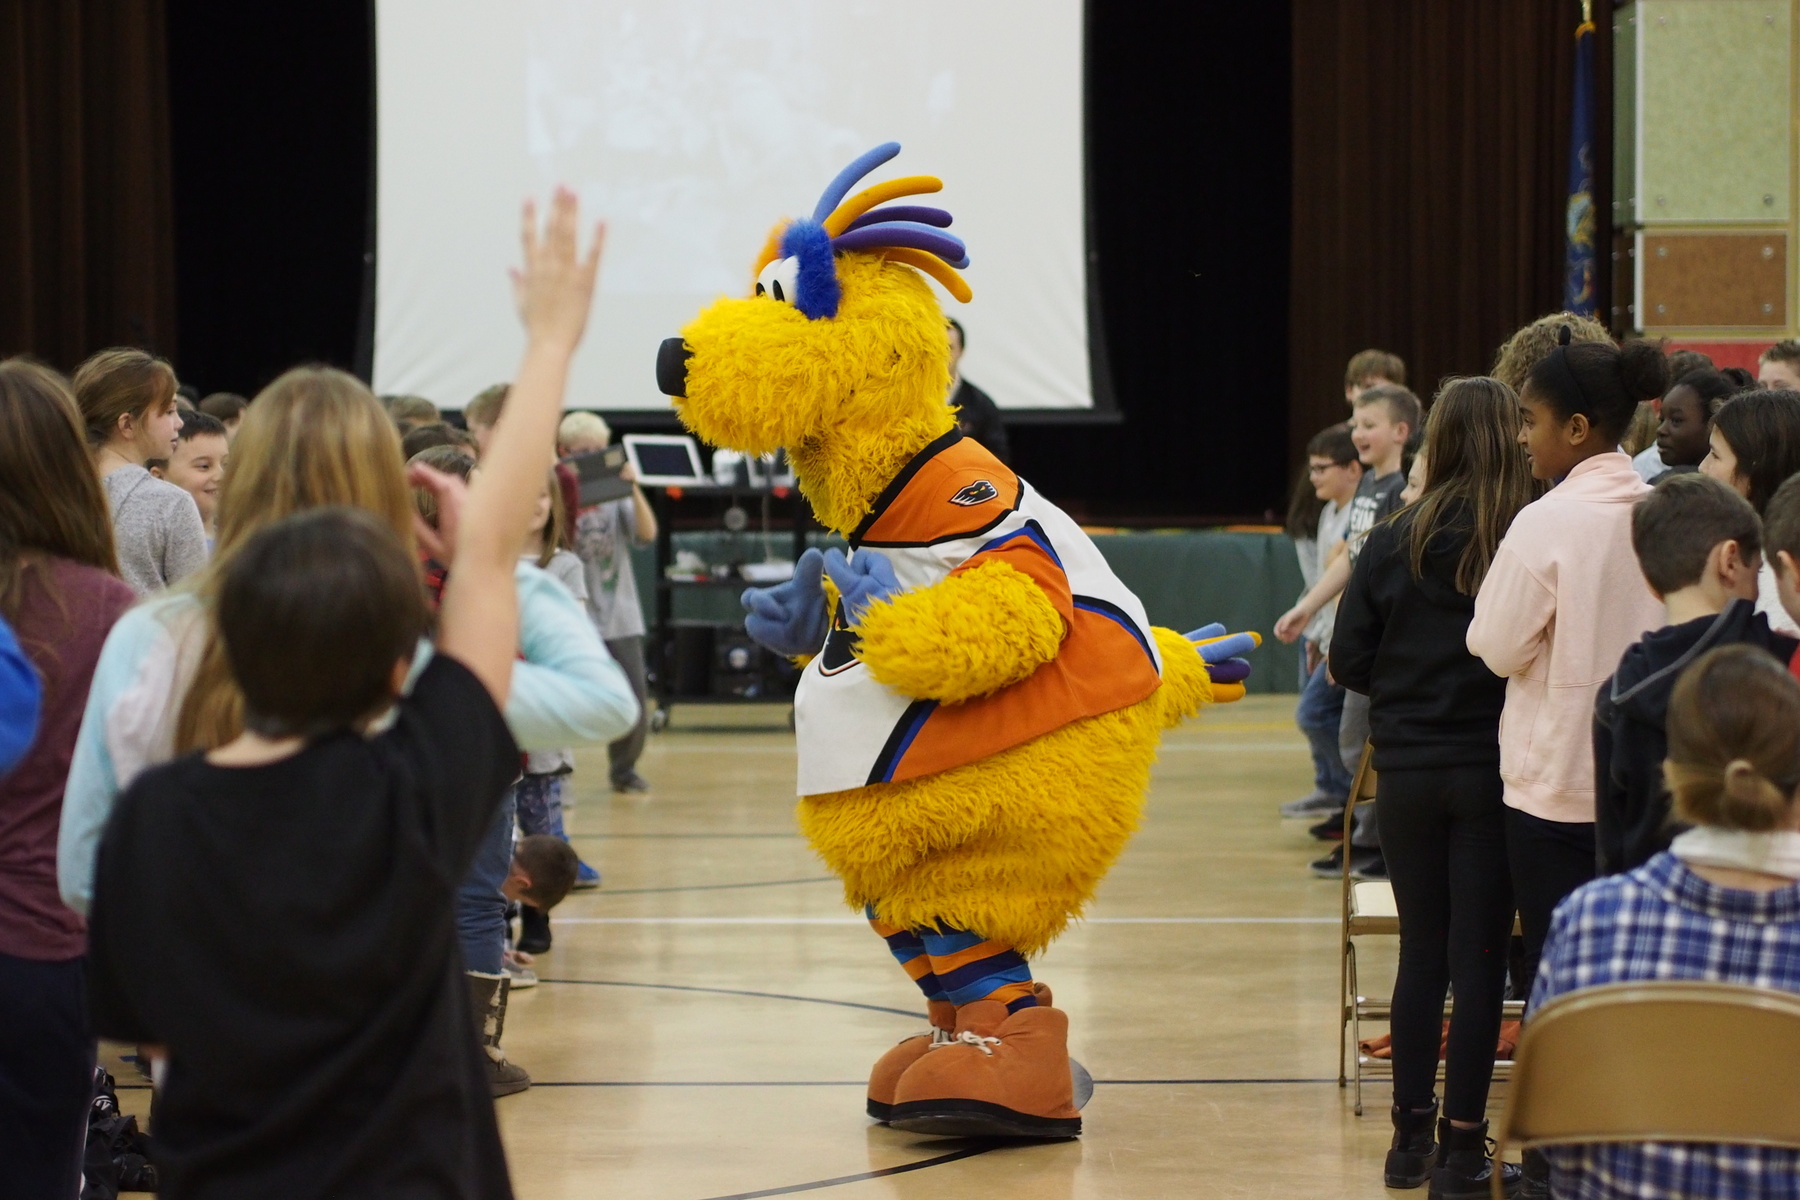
pixel 1187 688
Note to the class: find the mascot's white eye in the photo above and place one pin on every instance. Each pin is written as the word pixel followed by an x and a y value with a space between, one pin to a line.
pixel 780 279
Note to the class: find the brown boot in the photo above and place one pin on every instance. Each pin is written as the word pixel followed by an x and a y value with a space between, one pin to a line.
pixel 488 995
pixel 892 1065
pixel 1003 1076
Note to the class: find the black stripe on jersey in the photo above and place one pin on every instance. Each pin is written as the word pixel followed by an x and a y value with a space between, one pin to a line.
pixel 900 740
pixel 1018 499
pixel 899 482
pixel 1108 609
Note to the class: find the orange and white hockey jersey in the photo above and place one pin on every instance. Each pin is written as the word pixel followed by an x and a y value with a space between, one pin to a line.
pixel 954 507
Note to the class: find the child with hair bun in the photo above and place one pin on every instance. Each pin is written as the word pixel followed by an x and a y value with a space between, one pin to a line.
pixel 1721 905
pixel 1560 604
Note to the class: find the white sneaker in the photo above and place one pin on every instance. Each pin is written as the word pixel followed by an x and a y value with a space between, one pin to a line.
pixel 522 977
pixel 1311 806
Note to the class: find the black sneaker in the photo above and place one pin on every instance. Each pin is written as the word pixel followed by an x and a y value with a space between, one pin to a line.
pixel 1331 866
pixel 1331 829
pixel 1367 865
pixel 1534 1179
pixel 1465 1167
pixel 1414 1152
pixel 630 782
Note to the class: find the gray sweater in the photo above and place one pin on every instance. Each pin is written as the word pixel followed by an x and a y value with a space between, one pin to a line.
pixel 157 527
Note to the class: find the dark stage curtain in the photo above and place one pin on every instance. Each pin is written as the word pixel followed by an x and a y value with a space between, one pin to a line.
pixel 1430 147
pixel 86 230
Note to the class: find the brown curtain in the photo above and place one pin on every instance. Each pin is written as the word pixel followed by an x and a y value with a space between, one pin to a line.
pixel 1430 158
pixel 87 254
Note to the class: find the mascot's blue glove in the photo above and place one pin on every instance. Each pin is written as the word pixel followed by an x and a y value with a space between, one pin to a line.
pixel 1223 654
pixel 861 579
pixel 790 618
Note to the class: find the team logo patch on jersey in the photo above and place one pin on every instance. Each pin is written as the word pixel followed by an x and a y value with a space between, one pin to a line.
pixel 976 493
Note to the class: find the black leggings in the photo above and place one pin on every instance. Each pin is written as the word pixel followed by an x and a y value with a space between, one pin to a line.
pixel 1549 860
pixel 1443 833
pixel 46 1077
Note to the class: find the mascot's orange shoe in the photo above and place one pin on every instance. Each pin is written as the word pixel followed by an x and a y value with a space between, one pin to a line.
pixel 892 1065
pixel 885 1078
pixel 1003 1076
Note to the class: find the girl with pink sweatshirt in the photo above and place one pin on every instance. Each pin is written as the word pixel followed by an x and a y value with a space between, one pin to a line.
pixel 1560 604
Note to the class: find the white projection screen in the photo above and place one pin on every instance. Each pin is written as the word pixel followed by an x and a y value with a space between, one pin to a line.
pixel 691 126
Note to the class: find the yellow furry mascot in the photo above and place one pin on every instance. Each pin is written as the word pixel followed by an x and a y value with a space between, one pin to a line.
pixel 983 698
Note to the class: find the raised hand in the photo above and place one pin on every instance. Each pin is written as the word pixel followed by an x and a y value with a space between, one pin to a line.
pixel 862 579
pixel 790 618
pixel 449 492
pixel 555 286
pixel 1292 624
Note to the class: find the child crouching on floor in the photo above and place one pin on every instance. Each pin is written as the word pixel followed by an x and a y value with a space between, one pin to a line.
pixel 275 916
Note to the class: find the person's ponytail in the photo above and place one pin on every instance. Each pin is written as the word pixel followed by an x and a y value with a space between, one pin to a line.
pixel 1734 741
pixel 1600 381
pixel 116 383
pixel 1643 370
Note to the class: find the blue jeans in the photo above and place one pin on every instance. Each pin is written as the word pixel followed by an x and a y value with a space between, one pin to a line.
pixel 1318 714
pixel 480 908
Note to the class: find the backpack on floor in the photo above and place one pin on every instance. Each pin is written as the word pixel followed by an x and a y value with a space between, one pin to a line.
pixel 118 1153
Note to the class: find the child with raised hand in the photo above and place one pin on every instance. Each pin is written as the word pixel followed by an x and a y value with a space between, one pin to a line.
pixel 1563 599
pixel 312 1030
pixel 1333 471
pixel 1700 545
pixel 1386 419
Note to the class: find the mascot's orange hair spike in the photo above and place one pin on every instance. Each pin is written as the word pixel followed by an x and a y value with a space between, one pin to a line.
pixel 771 250
pixel 881 193
pixel 933 266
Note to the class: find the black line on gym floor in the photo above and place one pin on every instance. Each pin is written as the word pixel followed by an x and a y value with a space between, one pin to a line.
pixel 682 987
pixel 725 1083
pixel 713 887
pixel 884 1172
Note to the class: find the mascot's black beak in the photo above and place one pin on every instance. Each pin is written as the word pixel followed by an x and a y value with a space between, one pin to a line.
pixel 671 367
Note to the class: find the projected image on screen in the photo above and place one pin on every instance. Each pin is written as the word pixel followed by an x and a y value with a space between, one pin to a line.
pixel 691 128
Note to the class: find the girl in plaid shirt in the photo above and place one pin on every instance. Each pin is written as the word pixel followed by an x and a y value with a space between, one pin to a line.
pixel 1722 904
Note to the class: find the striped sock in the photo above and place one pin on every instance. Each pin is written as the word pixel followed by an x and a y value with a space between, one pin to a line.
pixel 910 952
pixel 969 968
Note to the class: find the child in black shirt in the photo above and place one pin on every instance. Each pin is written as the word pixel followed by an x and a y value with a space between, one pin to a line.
pixel 274 917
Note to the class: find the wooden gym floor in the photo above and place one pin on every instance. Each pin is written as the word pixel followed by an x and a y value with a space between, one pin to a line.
pixel 707 1019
